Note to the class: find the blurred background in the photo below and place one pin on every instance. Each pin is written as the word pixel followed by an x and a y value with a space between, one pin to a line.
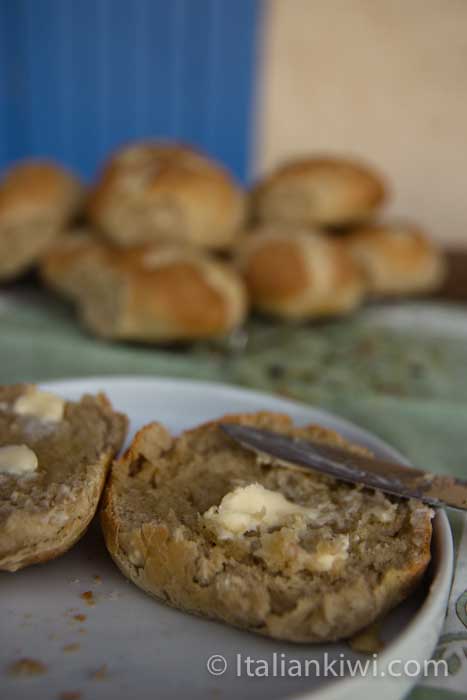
pixel 384 80
pixel 250 82
pixel 80 78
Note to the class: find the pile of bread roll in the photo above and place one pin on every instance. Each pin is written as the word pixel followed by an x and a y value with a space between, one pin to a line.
pixel 169 247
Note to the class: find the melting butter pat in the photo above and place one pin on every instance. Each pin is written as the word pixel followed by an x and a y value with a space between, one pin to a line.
pixel 17 460
pixel 40 404
pixel 330 554
pixel 249 508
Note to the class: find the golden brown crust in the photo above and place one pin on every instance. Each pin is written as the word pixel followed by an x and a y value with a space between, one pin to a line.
pixel 43 516
pixel 59 266
pixel 185 295
pixel 32 186
pixel 152 292
pixel 322 191
pixel 170 557
pixel 276 271
pixel 294 272
pixel 58 540
pixel 159 191
pixel 37 199
pixel 396 259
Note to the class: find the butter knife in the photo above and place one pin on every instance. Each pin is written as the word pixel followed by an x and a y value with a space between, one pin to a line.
pixel 390 477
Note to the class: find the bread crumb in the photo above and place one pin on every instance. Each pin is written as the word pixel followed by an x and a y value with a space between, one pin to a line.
pixel 27 667
pixel 71 647
pixel 100 674
pixel 368 640
pixel 70 695
pixel 79 617
pixel 97 579
pixel 88 597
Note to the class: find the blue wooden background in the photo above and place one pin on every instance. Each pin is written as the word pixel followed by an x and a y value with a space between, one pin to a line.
pixel 80 77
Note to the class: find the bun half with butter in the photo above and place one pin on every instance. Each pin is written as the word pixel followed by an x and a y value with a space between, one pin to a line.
pixel 37 200
pixel 211 528
pixel 298 273
pixel 165 191
pixel 318 191
pixel 54 457
pixel 396 259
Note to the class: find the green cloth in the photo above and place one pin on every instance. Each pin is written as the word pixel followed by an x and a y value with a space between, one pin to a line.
pixel 407 385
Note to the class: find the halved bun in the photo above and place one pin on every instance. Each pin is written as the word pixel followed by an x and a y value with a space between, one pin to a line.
pixel 45 511
pixel 303 580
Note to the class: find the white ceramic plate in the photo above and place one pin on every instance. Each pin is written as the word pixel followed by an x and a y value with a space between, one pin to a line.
pixel 130 646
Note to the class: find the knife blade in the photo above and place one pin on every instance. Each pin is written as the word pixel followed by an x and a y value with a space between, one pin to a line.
pixel 390 477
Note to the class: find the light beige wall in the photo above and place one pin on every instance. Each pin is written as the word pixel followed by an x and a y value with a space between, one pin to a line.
pixel 381 79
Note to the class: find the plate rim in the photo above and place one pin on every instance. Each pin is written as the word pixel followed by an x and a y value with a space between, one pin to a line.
pixel 192 384
pixel 439 589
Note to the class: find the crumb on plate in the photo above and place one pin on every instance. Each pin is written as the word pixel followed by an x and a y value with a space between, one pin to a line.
pixel 26 667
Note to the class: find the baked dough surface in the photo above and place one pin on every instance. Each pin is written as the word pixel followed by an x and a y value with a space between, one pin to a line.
pixel 271 581
pixel 43 514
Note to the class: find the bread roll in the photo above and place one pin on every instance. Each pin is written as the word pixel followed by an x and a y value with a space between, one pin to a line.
pixel 153 191
pixel 298 273
pixel 396 259
pixel 54 457
pixel 37 199
pixel 320 191
pixel 156 292
pixel 61 267
pixel 213 529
